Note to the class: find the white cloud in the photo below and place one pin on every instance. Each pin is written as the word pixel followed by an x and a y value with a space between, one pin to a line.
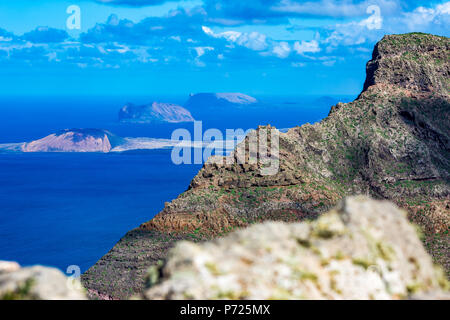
pixel 329 63
pixel 333 8
pixel 52 56
pixel 8 47
pixel 254 40
pixel 307 46
pixel 423 17
pixel 119 48
pixel 202 50
pixel 432 20
pixel 282 49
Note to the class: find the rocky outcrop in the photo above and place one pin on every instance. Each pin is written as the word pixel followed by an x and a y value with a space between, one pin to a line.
pixel 363 249
pixel 74 140
pixel 37 283
pixel 392 142
pixel 416 62
pixel 218 100
pixel 156 112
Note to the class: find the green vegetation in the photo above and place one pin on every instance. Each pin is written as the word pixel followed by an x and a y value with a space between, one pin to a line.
pixel 21 293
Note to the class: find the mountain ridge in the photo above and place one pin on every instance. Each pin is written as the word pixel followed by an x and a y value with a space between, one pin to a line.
pixel 392 142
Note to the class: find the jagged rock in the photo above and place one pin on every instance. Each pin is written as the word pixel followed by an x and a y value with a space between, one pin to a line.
pixel 418 62
pixel 392 142
pixel 363 249
pixel 8 266
pixel 435 295
pixel 37 283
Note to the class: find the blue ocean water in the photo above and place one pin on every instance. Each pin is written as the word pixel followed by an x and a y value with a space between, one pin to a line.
pixel 70 209
pixel 61 209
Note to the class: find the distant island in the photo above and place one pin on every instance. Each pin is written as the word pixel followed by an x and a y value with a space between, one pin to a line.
pixel 325 101
pixel 90 140
pixel 156 112
pixel 219 100
pixel 75 140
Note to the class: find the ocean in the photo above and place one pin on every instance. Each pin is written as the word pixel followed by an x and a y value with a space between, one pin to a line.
pixel 64 209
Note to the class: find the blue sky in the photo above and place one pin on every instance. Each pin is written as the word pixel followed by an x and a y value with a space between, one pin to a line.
pixel 148 47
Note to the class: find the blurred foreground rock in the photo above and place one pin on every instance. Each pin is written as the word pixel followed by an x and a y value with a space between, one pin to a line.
pixel 37 283
pixel 362 249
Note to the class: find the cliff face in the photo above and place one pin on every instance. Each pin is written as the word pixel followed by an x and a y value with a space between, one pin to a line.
pixel 417 62
pixel 74 140
pixel 392 142
pixel 362 249
pixel 156 112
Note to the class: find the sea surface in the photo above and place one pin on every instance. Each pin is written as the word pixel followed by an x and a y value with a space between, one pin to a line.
pixel 63 209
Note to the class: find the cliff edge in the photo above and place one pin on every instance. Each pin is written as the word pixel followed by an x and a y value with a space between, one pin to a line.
pixel 392 142
pixel 363 249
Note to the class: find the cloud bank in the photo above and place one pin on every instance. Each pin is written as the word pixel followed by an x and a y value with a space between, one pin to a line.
pixel 208 35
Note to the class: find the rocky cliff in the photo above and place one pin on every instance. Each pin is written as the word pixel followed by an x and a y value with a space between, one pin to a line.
pixel 156 112
pixel 74 140
pixel 392 142
pixel 362 249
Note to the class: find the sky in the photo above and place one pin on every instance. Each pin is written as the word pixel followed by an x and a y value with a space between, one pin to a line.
pixel 151 47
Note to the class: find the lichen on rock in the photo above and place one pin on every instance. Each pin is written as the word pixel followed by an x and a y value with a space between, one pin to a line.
pixel 392 143
pixel 362 249
pixel 37 283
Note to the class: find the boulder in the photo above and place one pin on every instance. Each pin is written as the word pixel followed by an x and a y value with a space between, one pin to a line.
pixel 37 283
pixel 362 249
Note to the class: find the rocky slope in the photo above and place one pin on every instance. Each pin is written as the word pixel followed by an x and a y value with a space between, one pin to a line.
pixel 363 249
pixel 156 112
pixel 392 142
pixel 74 140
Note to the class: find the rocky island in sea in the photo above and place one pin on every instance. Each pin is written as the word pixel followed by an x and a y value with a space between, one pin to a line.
pixel 391 143
pixel 218 100
pixel 155 112
pixel 75 140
